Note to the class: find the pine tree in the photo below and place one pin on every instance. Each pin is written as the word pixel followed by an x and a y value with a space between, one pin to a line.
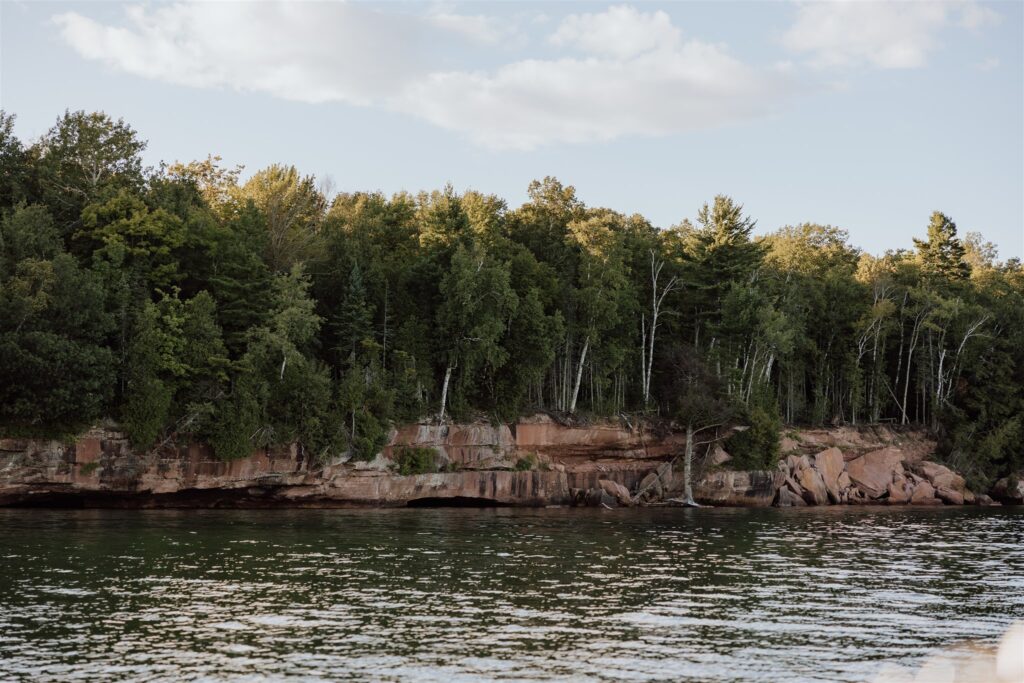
pixel 943 254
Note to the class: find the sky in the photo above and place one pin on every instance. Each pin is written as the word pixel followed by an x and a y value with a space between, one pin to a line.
pixel 863 115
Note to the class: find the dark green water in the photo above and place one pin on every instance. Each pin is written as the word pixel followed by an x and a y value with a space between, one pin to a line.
pixel 462 594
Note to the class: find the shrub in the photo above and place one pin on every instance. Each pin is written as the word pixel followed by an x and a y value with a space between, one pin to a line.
pixel 757 447
pixel 416 460
pixel 526 463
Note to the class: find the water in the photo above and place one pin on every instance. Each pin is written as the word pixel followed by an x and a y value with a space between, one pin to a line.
pixel 462 594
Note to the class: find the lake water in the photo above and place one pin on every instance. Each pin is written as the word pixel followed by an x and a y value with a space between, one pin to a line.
pixel 464 594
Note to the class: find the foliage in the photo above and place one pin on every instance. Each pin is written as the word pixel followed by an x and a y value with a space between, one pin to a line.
pixel 757 446
pixel 187 302
pixel 527 463
pixel 415 460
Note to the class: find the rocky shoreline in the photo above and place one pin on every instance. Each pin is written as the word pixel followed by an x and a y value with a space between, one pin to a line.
pixel 533 462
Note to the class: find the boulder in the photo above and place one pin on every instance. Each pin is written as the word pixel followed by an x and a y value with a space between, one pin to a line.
pixel 949 496
pixel 899 491
pixel 593 498
pixel 940 476
pixel 650 487
pixel 788 499
pixel 718 457
pixel 872 472
pixel 830 464
pixel 813 485
pixel 924 494
pixel 844 481
pixel 795 463
pixel 616 490
pixel 1010 489
pixel 986 501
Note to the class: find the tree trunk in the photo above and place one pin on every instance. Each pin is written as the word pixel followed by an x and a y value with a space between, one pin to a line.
pixel 688 466
pixel 444 391
pixel 579 375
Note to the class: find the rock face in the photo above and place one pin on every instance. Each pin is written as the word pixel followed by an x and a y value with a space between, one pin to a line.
pixel 888 475
pixel 941 477
pixel 831 464
pixel 479 461
pixel 756 488
pixel 601 465
pixel 873 472
pixel 616 490
pixel 1010 489
pixel 814 491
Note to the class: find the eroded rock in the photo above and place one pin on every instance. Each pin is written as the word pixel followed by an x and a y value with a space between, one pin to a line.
pixel 1010 489
pixel 831 465
pixel 616 490
pixel 940 476
pixel 787 498
pixel 814 490
pixel 872 472
pixel 924 494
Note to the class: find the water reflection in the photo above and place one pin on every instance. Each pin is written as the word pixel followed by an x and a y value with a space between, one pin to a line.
pixel 438 594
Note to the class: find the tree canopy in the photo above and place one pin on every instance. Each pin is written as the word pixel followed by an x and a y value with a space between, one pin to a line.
pixel 192 301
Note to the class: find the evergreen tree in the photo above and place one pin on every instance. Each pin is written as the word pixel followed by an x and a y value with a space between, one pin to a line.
pixel 942 254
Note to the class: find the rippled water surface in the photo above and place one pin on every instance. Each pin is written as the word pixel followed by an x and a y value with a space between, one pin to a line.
pixel 462 594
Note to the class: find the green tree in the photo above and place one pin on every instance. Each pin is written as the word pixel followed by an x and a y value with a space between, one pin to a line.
pixel 942 254
pixel 477 305
pixel 86 159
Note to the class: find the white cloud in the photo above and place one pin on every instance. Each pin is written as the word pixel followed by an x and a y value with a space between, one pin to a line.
pixel 477 27
pixel 532 102
pixel 885 34
pixel 620 31
pixel 636 77
pixel 310 52
pixel 626 72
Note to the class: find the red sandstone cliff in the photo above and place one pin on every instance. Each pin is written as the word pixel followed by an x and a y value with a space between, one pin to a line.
pixel 607 462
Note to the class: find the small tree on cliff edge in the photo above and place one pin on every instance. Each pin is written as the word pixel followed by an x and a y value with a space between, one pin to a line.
pixel 701 404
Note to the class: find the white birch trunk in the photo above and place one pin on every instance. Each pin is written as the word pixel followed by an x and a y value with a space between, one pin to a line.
pixel 444 391
pixel 579 375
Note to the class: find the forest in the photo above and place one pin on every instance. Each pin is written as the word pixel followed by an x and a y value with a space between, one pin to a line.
pixel 183 302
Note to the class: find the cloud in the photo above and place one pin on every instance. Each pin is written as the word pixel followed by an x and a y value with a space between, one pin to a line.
pixel 309 52
pixel 889 35
pixel 622 72
pixel 635 76
pixel 530 103
pixel 477 27
pixel 621 31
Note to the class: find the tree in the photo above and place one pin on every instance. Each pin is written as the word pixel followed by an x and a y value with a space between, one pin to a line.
pixel 129 235
pixel 649 331
pixel 700 404
pixel 942 254
pixel 293 209
pixel 600 292
pixel 85 159
pixel 477 304
pixel 353 322
pixel 720 253
pixel 148 396
pixel 15 165
pixel 56 367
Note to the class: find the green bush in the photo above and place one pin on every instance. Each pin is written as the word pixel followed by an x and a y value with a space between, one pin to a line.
pixel 416 460
pixel 757 447
pixel 526 463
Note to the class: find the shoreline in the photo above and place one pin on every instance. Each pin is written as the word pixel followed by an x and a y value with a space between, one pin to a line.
pixel 535 462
